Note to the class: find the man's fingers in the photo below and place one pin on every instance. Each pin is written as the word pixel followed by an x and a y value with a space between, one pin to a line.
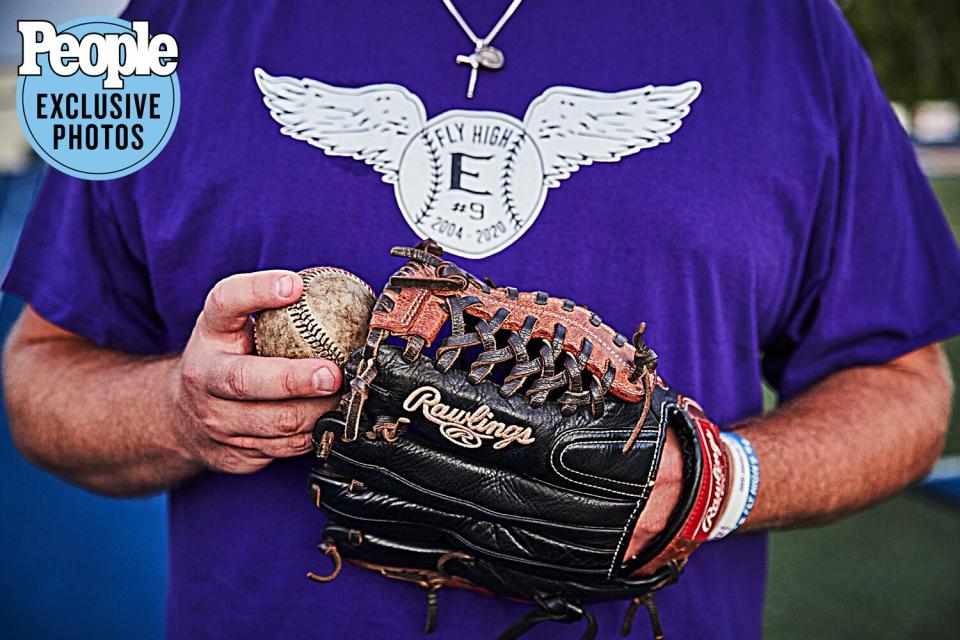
pixel 244 377
pixel 239 461
pixel 277 419
pixel 285 447
pixel 233 299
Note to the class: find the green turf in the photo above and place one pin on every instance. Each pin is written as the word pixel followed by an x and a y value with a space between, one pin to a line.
pixel 890 572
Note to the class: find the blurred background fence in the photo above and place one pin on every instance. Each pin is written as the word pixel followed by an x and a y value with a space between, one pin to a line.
pixel 74 565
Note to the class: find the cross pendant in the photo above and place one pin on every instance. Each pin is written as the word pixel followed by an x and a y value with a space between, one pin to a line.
pixel 485 56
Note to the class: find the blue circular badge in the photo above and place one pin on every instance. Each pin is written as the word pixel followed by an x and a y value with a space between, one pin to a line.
pixel 88 131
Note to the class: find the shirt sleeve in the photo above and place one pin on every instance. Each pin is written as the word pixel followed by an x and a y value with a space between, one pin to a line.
pixel 882 271
pixel 76 268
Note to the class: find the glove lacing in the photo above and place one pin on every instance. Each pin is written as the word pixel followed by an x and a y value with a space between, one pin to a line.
pixel 542 371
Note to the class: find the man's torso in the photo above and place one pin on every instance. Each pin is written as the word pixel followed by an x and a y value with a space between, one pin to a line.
pixel 702 236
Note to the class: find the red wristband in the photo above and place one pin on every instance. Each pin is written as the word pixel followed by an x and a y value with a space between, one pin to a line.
pixel 710 492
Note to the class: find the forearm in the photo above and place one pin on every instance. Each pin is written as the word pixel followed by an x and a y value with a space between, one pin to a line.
pixel 857 437
pixel 96 417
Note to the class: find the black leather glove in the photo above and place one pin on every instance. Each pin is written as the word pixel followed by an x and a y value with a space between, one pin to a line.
pixel 516 475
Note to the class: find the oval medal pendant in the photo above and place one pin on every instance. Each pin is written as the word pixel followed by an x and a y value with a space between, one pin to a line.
pixel 489 57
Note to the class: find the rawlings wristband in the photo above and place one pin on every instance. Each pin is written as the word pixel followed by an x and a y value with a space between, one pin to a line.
pixel 744 482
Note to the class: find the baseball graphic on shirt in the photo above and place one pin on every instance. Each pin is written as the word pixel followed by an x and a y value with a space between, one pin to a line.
pixel 329 320
pixel 470 180
pixel 474 181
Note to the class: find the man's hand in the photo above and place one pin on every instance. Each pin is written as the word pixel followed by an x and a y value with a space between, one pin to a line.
pixel 125 425
pixel 663 499
pixel 239 411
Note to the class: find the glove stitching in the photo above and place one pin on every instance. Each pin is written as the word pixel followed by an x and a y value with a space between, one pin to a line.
pixel 456 500
pixel 414 308
pixel 650 480
pixel 567 467
pixel 582 547
pixel 623 535
pixel 475 547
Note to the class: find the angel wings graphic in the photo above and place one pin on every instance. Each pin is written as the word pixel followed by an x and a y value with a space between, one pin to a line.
pixel 481 211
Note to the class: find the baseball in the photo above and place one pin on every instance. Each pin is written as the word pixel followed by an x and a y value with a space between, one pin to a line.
pixel 328 321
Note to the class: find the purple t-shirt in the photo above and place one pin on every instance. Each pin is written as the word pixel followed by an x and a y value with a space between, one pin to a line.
pixel 760 207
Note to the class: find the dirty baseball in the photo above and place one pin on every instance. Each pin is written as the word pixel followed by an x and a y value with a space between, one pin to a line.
pixel 329 320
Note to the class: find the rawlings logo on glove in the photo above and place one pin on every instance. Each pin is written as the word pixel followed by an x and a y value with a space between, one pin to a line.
pixel 467 429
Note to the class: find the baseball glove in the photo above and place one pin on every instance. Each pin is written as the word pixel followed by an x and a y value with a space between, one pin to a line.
pixel 507 442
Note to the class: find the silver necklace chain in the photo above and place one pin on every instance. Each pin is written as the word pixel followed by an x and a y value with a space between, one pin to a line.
pixel 484 55
pixel 479 42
